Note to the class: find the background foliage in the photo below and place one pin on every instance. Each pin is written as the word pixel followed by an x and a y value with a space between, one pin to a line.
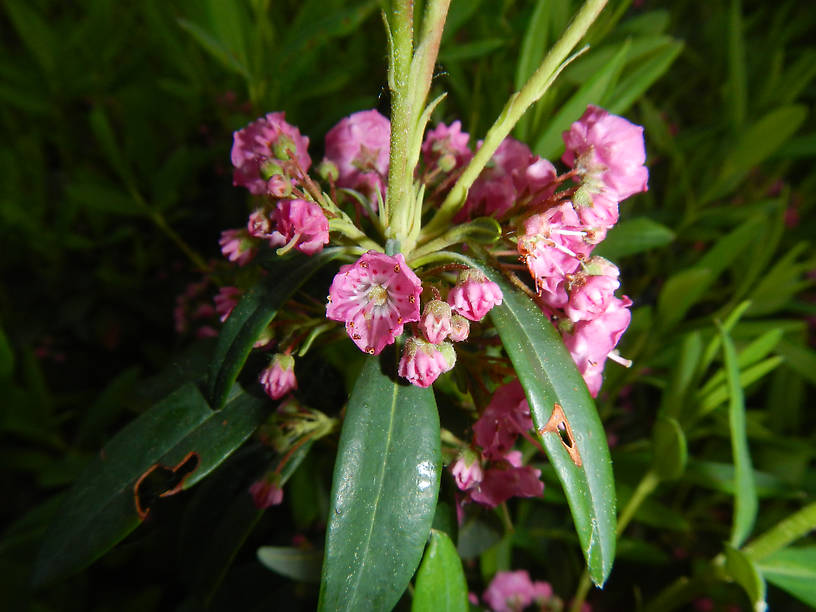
pixel 115 184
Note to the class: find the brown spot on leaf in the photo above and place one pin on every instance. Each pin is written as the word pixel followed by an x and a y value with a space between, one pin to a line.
pixel 162 481
pixel 559 424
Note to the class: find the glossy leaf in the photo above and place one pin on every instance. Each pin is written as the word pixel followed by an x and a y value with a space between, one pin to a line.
pixel 440 582
pixel 295 563
pixel 548 375
pixel 251 315
pixel 745 497
pixel 100 509
pixel 386 480
pixel 793 570
pixel 746 574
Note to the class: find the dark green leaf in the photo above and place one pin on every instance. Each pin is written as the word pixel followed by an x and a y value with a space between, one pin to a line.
pixel 214 47
pixel 669 444
pixel 548 375
pixel 793 570
pixel 294 563
pixel 384 490
pixel 634 236
pixel 745 497
pixel 746 574
pixel 100 509
pixel 6 356
pixel 440 582
pixel 250 317
pixel 634 83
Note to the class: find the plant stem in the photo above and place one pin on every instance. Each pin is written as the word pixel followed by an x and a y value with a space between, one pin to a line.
pixel 783 533
pixel 519 102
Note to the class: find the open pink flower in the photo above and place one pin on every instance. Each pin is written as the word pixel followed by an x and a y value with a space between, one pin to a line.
pixel 279 378
pixel 610 149
pixel 474 294
pixel 375 297
pixel 260 144
pixel 301 225
pixel 422 362
pixel 505 417
pixel 360 145
pixel 237 246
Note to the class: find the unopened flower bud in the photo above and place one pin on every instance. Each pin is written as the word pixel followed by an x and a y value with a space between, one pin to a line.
pixel 447 162
pixel 436 321
pixel 423 362
pixel 460 328
pixel 474 294
pixel 270 168
pixel 279 186
pixel 328 171
pixel 284 147
pixel 279 378
pixel 266 492
pixel 467 470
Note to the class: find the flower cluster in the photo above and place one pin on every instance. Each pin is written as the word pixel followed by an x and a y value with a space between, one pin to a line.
pixel 515 591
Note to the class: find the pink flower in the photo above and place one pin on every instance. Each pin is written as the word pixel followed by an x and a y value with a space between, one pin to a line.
pixel 225 300
pixel 504 481
pixel 435 323
pixel 266 494
pixel 460 328
pixel 591 341
pixel 260 225
pixel 279 378
pixel 375 297
pixel 509 591
pixel 474 294
pixel 506 416
pixel 448 142
pixel 422 362
pixel 609 149
pixel 360 145
pixel 300 224
pixel 237 246
pixel 263 142
pixel 591 291
pixel 467 470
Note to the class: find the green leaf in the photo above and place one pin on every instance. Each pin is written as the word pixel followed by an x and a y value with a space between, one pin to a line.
pixel 793 570
pixel 550 144
pixel 756 143
pixel 251 315
pixel 214 47
pixel 100 509
pixel 737 81
pixel 231 24
pixel 386 480
pixel 745 573
pixel 634 236
pixel 669 444
pixel 745 496
pixel 679 293
pixel 636 81
pixel 799 358
pixel 440 582
pixel 295 563
pixel 35 33
pixel 471 51
pixel 548 375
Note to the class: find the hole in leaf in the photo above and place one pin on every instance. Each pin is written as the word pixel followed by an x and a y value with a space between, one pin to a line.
pixel 559 424
pixel 162 481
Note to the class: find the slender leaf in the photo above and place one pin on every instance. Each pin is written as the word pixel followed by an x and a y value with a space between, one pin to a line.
pixel 440 582
pixel 295 563
pixel 635 82
pixel 746 574
pixel 101 509
pixel 737 81
pixel 548 375
pixel 634 236
pixel 384 490
pixel 745 496
pixel 250 317
pixel 793 570
pixel 669 444
pixel 214 47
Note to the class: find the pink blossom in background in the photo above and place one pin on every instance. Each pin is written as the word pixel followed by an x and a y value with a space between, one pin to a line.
pixel 447 140
pixel 422 362
pixel 435 323
pixel 509 591
pixel 375 297
pixel 609 149
pixel 278 378
pixel 506 416
pixel 502 481
pixel 467 470
pixel 256 145
pixel 359 145
pixel 225 300
pixel 474 295
pixel 237 246
pixel 302 224
pixel 265 494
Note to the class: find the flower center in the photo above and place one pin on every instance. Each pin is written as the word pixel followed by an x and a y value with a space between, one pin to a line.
pixel 377 295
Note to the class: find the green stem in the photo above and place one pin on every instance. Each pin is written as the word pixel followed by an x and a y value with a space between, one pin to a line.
pixel 645 487
pixel 519 102
pixel 792 528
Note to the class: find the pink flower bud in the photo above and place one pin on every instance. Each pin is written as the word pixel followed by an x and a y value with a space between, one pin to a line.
pixel 266 494
pixel 279 186
pixel 422 362
pixel 259 224
pixel 467 470
pixel 591 291
pixel 279 378
pixel 375 297
pixel 460 328
pixel 505 417
pixel 435 323
pixel 237 246
pixel 474 295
